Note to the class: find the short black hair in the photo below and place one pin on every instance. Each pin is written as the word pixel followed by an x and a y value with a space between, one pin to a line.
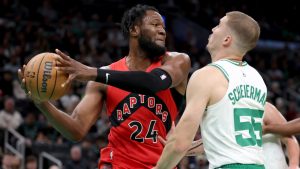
pixel 134 16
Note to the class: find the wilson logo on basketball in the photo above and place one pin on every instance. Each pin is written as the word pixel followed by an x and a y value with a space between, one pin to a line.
pixel 46 75
pixel 42 79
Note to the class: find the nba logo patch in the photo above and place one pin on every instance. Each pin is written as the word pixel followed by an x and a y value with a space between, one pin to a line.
pixel 163 77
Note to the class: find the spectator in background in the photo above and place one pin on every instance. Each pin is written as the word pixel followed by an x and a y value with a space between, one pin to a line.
pixel 90 150
pixel 10 161
pixel 42 136
pixel 76 161
pixel 70 100
pixel 15 162
pixel 30 127
pixel 292 111
pixel 18 92
pixel 9 116
pixel 31 162
pixel 6 161
pixel 47 11
pixel 280 104
pixel 6 85
pixel 54 167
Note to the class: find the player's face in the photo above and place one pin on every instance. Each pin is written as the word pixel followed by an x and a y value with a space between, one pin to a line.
pixel 152 35
pixel 217 36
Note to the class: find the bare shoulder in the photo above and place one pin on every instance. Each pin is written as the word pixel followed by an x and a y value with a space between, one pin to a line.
pixel 177 65
pixel 202 78
pixel 181 59
pixel 209 81
pixel 176 55
pixel 209 73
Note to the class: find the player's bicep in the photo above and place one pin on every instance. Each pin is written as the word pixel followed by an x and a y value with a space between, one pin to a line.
pixel 272 115
pixel 197 94
pixel 89 108
pixel 177 66
pixel 197 98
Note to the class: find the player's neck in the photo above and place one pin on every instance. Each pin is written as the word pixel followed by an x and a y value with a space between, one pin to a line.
pixel 229 57
pixel 137 60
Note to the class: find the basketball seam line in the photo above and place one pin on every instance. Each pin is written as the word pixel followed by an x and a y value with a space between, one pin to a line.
pixel 37 79
pixel 54 84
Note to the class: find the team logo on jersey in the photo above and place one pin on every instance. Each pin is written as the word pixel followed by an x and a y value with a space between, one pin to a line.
pixel 133 102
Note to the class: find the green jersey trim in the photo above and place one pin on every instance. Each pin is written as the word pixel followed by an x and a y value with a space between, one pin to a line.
pixel 236 62
pixel 221 69
pixel 241 166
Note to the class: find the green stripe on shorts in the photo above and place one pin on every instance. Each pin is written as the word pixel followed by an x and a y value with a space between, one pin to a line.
pixel 241 166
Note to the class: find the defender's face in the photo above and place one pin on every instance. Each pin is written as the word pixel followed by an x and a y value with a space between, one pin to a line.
pixel 219 32
pixel 153 28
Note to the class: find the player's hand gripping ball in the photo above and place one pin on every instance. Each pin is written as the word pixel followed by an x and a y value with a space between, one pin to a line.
pixel 42 79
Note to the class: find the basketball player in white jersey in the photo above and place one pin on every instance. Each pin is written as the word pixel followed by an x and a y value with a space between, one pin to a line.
pixel 273 152
pixel 227 99
pixel 274 156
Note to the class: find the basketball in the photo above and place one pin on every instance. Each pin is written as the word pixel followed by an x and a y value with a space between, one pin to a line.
pixel 42 79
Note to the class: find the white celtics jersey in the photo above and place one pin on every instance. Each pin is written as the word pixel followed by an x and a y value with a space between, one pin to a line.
pixel 274 156
pixel 232 128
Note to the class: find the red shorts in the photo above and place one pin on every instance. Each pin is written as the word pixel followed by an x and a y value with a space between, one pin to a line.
pixel 110 166
pixel 106 161
pixel 105 166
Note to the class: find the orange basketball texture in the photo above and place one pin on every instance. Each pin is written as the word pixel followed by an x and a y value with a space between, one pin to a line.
pixel 42 79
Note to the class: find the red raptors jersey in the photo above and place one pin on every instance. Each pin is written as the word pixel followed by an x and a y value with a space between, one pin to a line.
pixel 136 121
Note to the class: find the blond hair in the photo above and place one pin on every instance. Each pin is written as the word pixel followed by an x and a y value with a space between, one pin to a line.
pixel 245 28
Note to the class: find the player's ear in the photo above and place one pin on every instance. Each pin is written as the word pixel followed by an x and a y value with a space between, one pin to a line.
pixel 134 31
pixel 227 40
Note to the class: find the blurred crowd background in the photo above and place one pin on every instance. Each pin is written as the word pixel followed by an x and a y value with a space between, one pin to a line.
pixel 89 31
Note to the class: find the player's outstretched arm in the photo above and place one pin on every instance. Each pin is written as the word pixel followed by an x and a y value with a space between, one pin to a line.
pixel 273 116
pixel 76 125
pixel 287 129
pixel 195 149
pixel 174 70
pixel 292 148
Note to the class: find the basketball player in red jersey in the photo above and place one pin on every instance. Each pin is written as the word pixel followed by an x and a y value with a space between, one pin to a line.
pixel 137 92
